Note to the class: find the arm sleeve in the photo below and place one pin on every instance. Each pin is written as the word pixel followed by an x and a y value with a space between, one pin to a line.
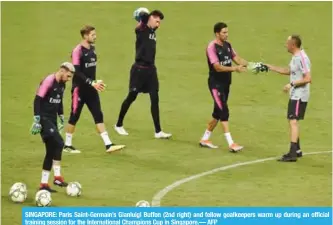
pixel 304 64
pixel 211 54
pixel 44 87
pixel 76 55
pixel 37 102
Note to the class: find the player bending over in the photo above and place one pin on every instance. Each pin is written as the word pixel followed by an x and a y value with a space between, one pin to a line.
pixel 299 92
pixel 47 105
pixel 85 90
pixel 143 74
pixel 220 55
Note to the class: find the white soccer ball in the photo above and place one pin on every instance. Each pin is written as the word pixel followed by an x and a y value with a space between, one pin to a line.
pixel 136 13
pixel 18 192
pixel 142 203
pixel 74 189
pixel 43 198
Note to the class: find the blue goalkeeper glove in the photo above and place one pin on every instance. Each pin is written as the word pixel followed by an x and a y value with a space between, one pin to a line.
pixel 36 126
pixel 61 123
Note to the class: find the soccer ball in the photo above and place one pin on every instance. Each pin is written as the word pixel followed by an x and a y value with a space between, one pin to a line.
pixel 18 192
pixel 43 198
pixel 74 189
pixel 142 203
pixel 136 13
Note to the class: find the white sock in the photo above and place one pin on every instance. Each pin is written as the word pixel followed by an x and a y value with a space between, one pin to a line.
pixel 45 177
pixel 229 138
pixel 56 169
pixel 68 141
pixel 106 138
pixel 206 135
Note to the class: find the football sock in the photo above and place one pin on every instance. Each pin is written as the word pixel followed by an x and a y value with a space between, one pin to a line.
pixel 106 138
pixel 229 138
pixel 56 169
pixel 206 135
pixel 293 148
pixel 45 177
pixel 298 145
pixel 68 141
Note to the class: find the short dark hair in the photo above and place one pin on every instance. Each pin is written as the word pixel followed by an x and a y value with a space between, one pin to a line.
pixel 158 13
pixel 219 26
pixel 86 30
pixel 297 39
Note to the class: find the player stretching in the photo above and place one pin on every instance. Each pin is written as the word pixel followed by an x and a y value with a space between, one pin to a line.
pixel 220 55
pixel 143 74
pixel 85 90
pixel 47 105
pixel 299 92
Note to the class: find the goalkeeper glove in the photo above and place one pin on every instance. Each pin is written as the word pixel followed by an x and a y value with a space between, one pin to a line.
pixel 139 12
pixel 98 85
pixel 36 126
pixel 256 67
pixel 61 122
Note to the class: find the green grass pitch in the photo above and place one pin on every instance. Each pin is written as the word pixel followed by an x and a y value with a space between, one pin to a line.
pixel 37 37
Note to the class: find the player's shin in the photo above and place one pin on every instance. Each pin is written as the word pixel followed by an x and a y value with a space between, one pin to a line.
pixel 69 134
pixel 125 106
pixel 155 113
pixel 294 136
pixel 211 126
pixel 56 168
pixel 45 177
pixel 104 134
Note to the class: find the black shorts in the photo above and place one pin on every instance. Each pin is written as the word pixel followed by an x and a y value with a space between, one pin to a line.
pixel 220 94
pixel 49 132
pixel 296 109
pixel 90 97
pixel 143 79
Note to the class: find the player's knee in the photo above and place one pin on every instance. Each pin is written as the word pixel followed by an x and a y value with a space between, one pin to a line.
pixel 98 117
pixel 47 164
pixel 293 122
pixel 216 116
pixel 73 119
pixel 57 154
pixel 57 151
pixel 131 96
pixel 225 115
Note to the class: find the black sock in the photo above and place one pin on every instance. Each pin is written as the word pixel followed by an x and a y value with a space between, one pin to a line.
pixel 293 148
pixel 125 106
pixel 155 111
pixel 298 145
